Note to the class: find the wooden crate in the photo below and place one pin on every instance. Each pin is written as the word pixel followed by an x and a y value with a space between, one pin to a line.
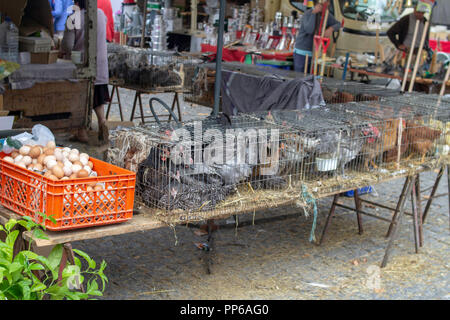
pixel 58 105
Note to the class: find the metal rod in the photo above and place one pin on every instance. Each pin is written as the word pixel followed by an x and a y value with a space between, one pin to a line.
pixel 419 209
pixel 358 211
pixel 398 207
pixel 409 182
pixel 433 191
pixel 144 20
pixel 419 54
pixel 218 80
pixel 415 217
pixel 383 206
pixel 363 212
pixel 330 215
pixel 408 64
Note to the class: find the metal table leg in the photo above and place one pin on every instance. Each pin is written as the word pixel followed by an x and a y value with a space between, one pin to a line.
pixel 358 209
pixel 134 106
pixel 330 216
pixel 401 207
pixel 433 192
pixel 397 209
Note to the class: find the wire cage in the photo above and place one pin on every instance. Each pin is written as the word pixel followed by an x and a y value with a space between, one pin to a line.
pixel 412 133
pixel 147 69
pixel 338 91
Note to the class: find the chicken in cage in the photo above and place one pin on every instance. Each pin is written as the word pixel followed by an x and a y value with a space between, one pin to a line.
pixel 147 69
pixel 410 130
pixel 335 91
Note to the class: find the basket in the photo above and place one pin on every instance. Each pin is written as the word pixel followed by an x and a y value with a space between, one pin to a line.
pixel 35 44
pixel 26 193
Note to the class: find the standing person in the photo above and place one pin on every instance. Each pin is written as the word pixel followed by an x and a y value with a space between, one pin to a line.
pixel 305 38
pixel 402 32
pixel 105 6
pixel 74 41
pixel 60 12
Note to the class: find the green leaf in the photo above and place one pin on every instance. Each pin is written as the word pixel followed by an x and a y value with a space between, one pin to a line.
pixel 39 234
pixel 11 238
pixel 36 266
pixel 10 224
pixel 15 266
pixel 54 258
pixel 38 287
pixel 83 254
pixel 77 262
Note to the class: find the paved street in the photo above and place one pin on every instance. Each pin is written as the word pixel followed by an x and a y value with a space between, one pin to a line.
pixel 275 260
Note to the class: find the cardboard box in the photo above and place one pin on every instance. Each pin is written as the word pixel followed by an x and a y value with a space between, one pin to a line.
pixel 44 57
pixel 30 15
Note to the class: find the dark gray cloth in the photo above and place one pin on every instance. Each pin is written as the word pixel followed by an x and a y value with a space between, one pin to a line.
pixel 244 93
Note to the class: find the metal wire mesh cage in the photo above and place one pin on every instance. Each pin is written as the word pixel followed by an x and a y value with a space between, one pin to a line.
pixel 337 91
pixel 147 69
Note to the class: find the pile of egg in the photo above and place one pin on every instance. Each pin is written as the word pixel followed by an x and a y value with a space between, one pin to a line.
pixel 54 163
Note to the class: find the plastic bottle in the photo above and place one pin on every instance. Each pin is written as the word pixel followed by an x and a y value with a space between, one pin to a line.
pixel 12 41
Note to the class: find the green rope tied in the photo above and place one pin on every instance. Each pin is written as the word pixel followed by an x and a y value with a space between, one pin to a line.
pixel 310 200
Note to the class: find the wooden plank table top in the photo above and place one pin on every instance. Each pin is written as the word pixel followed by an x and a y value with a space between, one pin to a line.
pixel 155 90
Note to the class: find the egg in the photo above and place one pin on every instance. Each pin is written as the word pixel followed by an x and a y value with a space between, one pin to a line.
pixel 53 177
pixel 35 152
pixel 65 154
pixel 14 154
pixel 88 169
pixel 27 160
pixel 34 161
pixel 66 149
pixel 73 157
pixel 64 178
pixel 90 164
pixel 47 173
pixel 59 163
pixel 9 159
pixel 48 158
pixel 41 158
pixel 22 164
pixel 82 174
pixel 58 171
pixel 76 168
pixel 84 155
pixel 38 167
pixel 73 176
pixel 24 150
pixel 51 145
pixel 84 161
pixel 67 171
pixel 75 151
pixel 78 162
pixel 89 188
pixel 49 151
pixel 18 159
pixel 98 187
pixel 50 164
pixel 30 166
pixel 59 155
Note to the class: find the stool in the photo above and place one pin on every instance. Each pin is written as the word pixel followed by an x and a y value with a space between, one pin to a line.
pixel 116 90
pixel 138 98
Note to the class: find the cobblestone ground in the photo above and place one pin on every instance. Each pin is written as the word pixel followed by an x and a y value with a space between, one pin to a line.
pixel 275 260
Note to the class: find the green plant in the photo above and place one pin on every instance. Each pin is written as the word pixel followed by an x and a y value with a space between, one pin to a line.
pixel 29 276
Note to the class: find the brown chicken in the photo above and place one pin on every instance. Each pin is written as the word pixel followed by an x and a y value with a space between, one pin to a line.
pixel 383 139
pixel 421 139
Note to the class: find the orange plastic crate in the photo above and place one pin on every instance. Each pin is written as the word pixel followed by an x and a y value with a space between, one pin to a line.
pixel 26 192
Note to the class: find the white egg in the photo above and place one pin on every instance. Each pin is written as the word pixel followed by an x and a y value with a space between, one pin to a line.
pixel 18 159
pixel 75 151
pixel 50 164
pixel 73 157
pixel 24 150
pixel 76 168
pixel 67 170
pixel 66 149
pixel 27 160
pixel 87 168
pixel 67 163
pixel 84 161
pixel 8 159
pixel 48 158
pixel 84 155
pixel 59 155
pixel 93 174
pixel 65 153
pixel 22 164
pixel 34 161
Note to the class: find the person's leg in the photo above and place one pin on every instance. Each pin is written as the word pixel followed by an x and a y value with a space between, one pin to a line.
pixel 299 62
pixel 103 131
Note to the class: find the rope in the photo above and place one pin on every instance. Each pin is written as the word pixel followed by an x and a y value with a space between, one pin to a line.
pixel 310 200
